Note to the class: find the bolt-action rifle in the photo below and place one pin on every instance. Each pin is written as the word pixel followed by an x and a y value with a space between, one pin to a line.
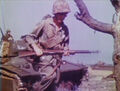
pixel 2 35
pixel 1 32
pixel 29 53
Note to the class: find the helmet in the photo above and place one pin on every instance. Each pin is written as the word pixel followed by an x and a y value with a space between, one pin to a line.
pixel 61 6
pixel 8 30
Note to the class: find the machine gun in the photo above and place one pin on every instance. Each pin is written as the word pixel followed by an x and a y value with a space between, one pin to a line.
pixel 29 53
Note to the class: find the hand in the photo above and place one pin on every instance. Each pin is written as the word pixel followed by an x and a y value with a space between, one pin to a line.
pixel 66 53
pixel 37 50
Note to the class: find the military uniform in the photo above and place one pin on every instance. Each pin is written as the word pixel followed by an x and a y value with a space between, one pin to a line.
pixel 7 44
pixel 35 72
pixel 47 35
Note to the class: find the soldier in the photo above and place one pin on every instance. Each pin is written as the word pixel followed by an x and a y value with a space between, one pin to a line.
pixel 7 42
pixel 8 36
pixel 53 34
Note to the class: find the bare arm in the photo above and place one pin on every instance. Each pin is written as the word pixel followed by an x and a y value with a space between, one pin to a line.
pixel 85 17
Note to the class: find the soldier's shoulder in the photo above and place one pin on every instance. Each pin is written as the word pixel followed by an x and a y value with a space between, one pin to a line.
pixel 48 16
pixel 46 19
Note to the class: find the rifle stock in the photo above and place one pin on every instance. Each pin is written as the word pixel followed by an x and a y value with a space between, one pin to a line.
pixel 30 53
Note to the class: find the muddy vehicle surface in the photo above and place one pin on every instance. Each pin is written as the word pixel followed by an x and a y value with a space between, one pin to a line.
pixel 19 74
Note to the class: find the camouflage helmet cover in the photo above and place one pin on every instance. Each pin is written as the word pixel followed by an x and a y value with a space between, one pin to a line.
pixel 61 6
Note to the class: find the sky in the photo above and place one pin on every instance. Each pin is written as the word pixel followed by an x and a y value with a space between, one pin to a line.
pixel 21 16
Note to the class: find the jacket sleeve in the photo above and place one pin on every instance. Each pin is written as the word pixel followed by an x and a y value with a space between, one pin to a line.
pixel 32 37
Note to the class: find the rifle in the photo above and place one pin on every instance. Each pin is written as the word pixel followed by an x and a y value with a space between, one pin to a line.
pixel 2 35
pixel 1 32
pixel 30 53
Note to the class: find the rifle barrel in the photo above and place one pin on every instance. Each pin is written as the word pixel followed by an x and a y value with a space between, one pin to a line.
pixel 29 53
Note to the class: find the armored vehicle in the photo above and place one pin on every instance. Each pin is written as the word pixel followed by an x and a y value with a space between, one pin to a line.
pixel 19 73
